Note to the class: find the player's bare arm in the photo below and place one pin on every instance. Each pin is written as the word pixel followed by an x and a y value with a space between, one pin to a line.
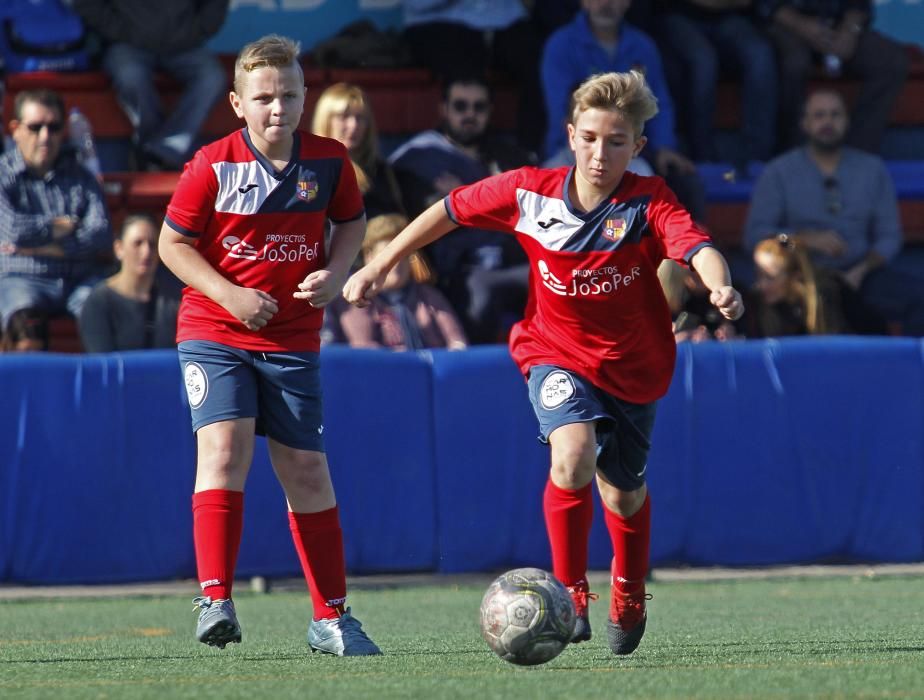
pixel 323 286
pixel 713 270
pixel 252 307
pixel 426 228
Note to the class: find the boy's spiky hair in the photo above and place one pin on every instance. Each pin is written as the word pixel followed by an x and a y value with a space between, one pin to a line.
pixel 626 93
pixel 270 51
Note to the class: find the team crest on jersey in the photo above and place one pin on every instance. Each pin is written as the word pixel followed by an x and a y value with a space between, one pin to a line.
pixel 307 187
pixel 614 229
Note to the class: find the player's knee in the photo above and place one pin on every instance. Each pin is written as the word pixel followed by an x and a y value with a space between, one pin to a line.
pixel 573 464
pixel 624 503
pixel 307 473
pixel 221 468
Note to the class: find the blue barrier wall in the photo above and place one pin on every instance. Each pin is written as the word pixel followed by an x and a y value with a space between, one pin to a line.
pixel 765 452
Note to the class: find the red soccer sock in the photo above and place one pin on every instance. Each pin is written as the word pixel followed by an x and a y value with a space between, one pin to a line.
pixel 631 539
pixel 319 543
pixel 568 517
pixel 218 519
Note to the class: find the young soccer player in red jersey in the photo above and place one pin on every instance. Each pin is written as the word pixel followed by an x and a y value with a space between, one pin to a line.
pixel 596 343
pixel 245 231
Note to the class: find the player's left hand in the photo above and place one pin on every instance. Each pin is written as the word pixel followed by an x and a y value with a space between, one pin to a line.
pixel 728 301
pixel 319 288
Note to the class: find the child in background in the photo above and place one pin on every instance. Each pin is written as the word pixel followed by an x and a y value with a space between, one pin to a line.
pixel 409 313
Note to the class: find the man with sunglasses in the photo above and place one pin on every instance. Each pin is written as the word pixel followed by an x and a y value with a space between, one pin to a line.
pixel 482 273
pixel 839 203
pixel 54 227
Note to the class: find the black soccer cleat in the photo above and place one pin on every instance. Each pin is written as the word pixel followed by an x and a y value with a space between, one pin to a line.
pixel 628 617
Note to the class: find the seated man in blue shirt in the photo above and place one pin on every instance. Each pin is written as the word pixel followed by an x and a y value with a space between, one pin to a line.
pixel 54 229
pixel 597 40
pixel 839 203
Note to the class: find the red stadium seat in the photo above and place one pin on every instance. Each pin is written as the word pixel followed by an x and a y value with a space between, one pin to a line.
pixel 64 335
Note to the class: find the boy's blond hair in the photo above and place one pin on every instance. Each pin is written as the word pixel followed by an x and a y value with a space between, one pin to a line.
pixel 626 93
pixel 270 51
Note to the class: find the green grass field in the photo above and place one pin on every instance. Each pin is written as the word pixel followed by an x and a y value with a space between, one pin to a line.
pixel 791 638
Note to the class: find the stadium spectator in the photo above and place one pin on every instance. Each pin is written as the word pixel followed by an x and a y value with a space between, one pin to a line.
pixel 141 38
pixel 694 316
pixel 54 228
pixel 27 331
pixel 129 311
pixel 470 37
pixel 550 15
pixel 838 35
pixel 793 297
pixel 483 273
pixel 408 313
pixel 707 39
pixel 245 231
pixel 597 40
pixel 596 345
pixel 839 204
pixel 343 112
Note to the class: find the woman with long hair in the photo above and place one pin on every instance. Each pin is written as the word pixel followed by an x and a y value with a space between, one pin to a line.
pixel 343 112
pixel 793 297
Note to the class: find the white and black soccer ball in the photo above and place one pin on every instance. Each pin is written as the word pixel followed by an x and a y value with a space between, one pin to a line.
pixel 527 616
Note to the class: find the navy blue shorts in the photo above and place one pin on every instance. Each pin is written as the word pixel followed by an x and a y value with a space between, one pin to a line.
pixel 561 397
pixel 281 390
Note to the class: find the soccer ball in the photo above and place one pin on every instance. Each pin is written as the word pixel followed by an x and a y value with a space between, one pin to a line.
pixel 527 616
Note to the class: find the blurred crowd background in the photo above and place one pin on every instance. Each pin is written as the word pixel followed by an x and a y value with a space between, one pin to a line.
pixel 793 130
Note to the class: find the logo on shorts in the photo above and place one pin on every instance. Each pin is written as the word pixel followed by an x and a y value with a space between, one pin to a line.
pixel 197 384
pixel 557 388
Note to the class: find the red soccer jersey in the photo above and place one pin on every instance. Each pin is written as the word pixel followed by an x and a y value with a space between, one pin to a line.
pixel 595 303
pixel 261 229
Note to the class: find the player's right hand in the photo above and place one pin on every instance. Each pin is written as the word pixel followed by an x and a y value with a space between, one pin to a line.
pixel 252 307
pixel 363 285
